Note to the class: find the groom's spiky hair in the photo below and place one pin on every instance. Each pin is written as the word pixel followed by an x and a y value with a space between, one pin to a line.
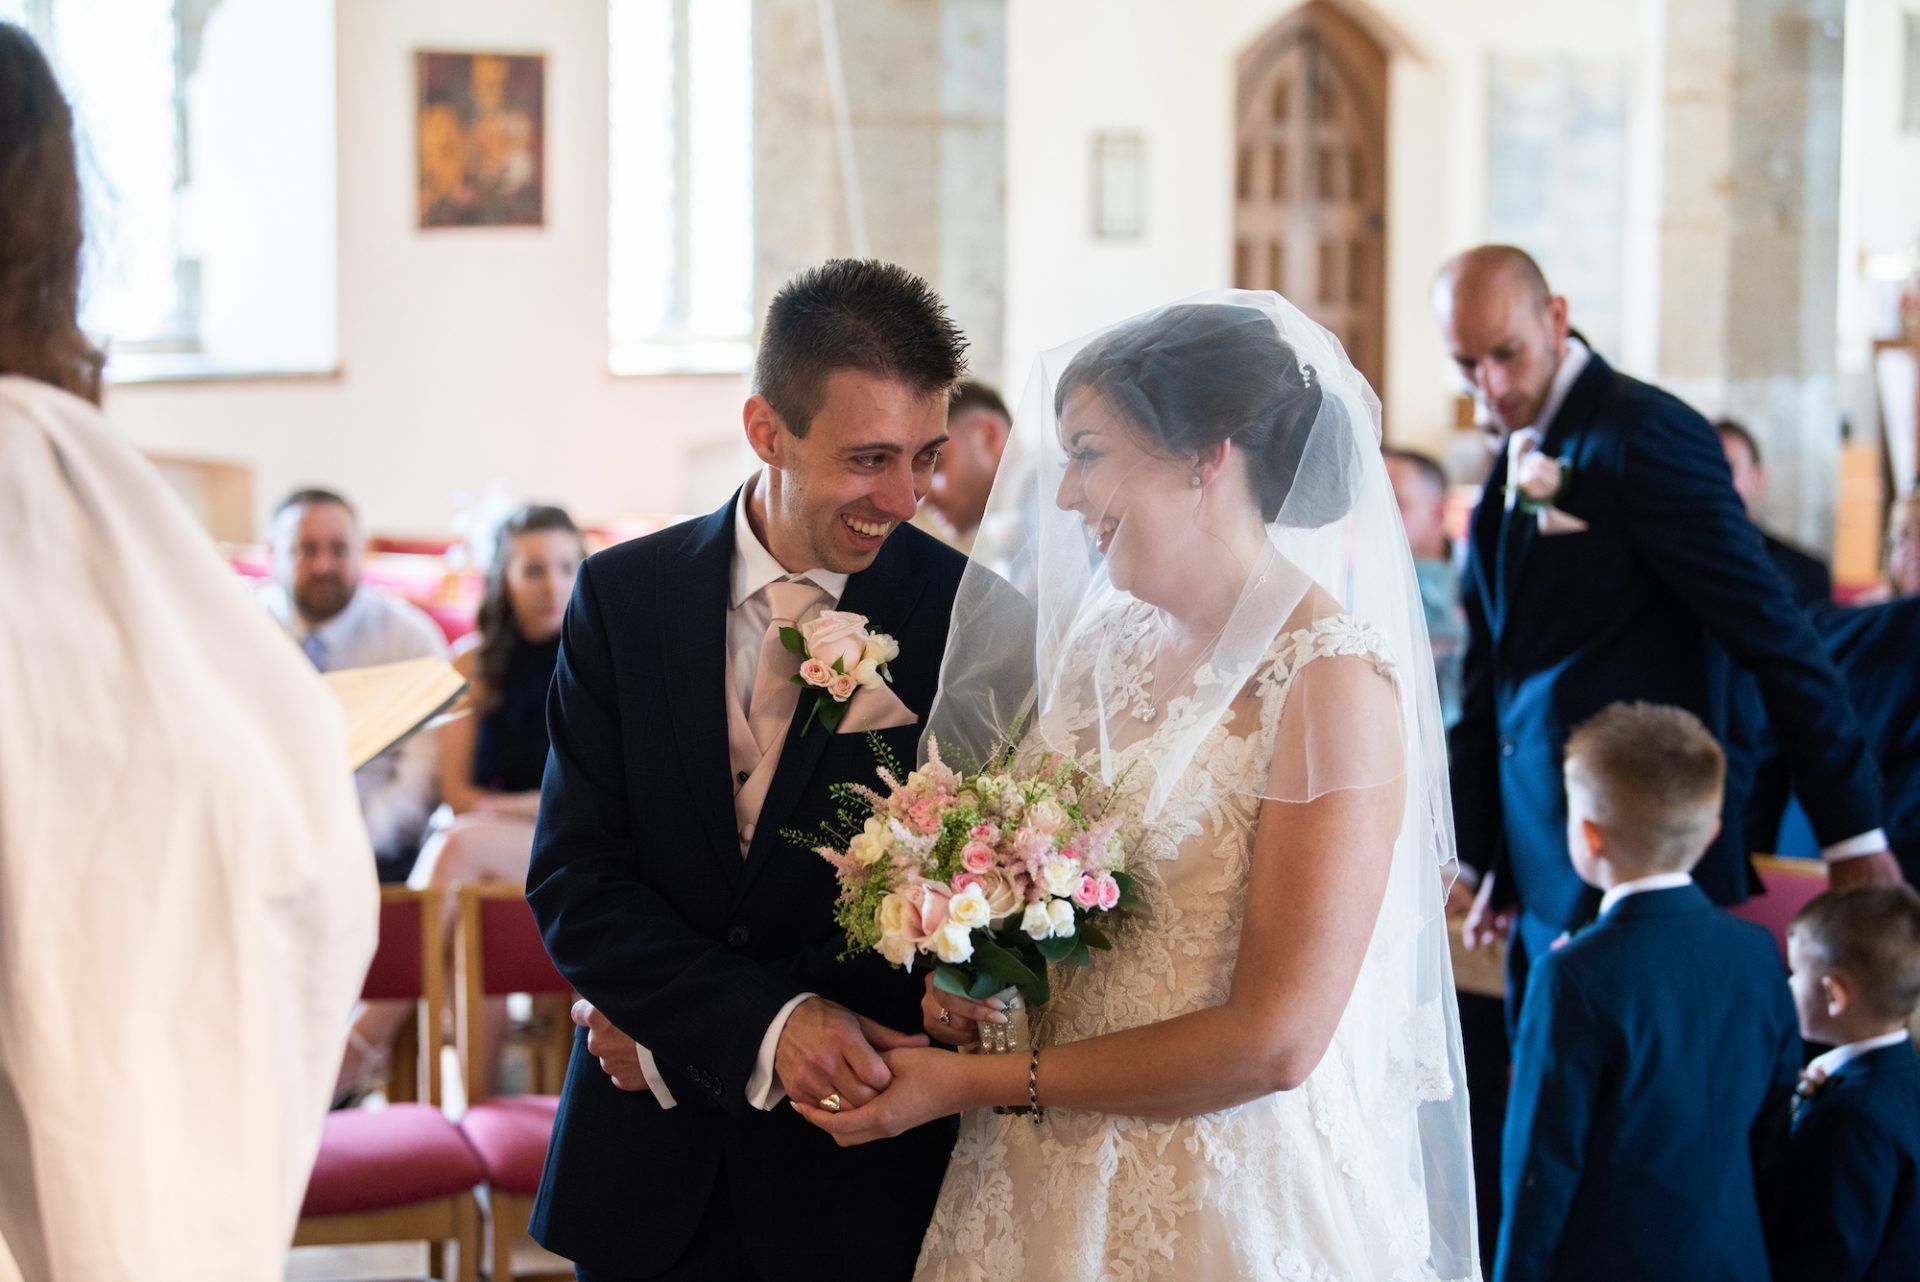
pixel 854 313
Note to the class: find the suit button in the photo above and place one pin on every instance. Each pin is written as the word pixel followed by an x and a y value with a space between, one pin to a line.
pixel 741 777
pixel 737 937
pixel 1506 746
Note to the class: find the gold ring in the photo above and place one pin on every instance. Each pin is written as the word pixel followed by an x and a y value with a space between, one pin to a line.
pixel 831 1103
pixel 946 1016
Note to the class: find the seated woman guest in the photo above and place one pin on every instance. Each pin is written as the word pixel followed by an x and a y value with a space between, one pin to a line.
pixel 490 761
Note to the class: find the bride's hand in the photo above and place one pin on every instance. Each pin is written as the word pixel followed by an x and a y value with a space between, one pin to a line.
pixel 955 1020
pixel 925 1086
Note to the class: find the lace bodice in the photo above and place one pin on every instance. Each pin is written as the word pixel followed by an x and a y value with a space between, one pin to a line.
pixel 1306 1185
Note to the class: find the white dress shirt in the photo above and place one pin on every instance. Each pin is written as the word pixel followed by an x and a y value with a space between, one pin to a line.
pixel 1840 1056
pixel 748 614
pixel 1571 367
pixel 399 788
pixel 1652 881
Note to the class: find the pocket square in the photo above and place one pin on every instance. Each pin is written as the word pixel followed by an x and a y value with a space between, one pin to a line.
pixel 1555 521
pixel 875 708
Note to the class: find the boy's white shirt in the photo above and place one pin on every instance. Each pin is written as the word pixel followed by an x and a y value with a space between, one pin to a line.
pixel 1653 881
pixel 1840 1056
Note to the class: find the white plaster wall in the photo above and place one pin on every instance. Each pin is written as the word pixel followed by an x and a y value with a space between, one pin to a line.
pixel 466 356
pixel 1078 66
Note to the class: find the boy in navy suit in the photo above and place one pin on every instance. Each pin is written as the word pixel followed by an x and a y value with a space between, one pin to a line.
pixel 1850 1206
pixel 1651 1043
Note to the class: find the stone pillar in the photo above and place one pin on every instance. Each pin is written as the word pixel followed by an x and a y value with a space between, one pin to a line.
pixel 925 93
pixel 1749 234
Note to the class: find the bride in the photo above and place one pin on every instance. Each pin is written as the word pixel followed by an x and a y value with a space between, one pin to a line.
pixel 1262 1078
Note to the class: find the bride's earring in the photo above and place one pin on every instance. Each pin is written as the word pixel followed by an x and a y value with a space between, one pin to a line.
pixel 1193 482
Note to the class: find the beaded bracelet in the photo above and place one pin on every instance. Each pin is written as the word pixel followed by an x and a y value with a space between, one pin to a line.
pixel 1033 1089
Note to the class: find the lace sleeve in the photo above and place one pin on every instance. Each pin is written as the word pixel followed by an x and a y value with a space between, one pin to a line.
pixel 1329 708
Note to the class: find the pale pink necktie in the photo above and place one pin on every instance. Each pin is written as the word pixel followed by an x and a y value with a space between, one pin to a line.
pixel 774 694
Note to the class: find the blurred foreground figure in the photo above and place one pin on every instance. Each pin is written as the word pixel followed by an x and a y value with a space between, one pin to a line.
pixel 187 905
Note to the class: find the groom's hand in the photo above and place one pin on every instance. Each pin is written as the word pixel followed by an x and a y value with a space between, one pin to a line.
pixel 619 1055
pixel 825 1049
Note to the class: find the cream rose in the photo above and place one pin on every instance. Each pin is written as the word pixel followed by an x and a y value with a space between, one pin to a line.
pixel 896 915
pixel 834 636
pixel 900 949
pixel 1047 816
pixel 1062 914
pixel 867 673
pixel 1060 875
pixel 1037 922
pixel 969 908
pixel 1539 477
pixel 1003 894
pixel 953 943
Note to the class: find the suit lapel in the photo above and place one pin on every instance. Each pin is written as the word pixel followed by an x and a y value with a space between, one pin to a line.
pixel 692 605
pixel 886 593
pixel 1574 413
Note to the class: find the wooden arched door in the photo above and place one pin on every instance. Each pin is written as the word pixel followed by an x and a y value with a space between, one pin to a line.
pixel 1311 176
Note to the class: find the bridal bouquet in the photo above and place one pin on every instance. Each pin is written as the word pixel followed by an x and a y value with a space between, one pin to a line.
pixel 989 876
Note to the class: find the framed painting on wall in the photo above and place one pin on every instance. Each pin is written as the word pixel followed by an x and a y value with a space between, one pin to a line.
pixel 481 133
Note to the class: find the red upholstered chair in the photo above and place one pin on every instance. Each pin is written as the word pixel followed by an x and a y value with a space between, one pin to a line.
pixel 403 1172
pixel 1789 883
pixel 498 951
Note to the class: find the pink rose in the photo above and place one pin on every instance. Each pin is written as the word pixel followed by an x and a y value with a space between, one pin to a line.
pixel 815 673
pixel 932 907
pixel 986 834
pixel 1109 892
pixel 1087 893
pixel 966 879
pixel 834 636
pixel 977 857
pixel 1539 477
pixel 841 686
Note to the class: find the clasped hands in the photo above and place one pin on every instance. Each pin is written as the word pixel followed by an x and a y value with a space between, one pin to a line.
pixel 885 1082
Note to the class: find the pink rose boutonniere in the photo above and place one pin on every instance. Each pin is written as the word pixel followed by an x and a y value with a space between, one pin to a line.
pixel 839 654
pixel 1536 481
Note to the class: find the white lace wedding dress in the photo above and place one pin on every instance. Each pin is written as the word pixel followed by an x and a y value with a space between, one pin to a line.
pixel 1309 1185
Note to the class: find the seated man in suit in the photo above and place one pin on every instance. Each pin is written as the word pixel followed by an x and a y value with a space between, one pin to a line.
pixel 1807 575
pixel 1849 1208
pixel 1650 1044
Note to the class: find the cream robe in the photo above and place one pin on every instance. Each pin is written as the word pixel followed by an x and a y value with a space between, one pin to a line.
pixel 187 898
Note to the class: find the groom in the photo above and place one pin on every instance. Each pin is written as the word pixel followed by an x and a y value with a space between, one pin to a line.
pixel 664 882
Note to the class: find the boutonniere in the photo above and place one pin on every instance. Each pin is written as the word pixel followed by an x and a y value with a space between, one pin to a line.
pixel 838 655
pixel 1537 481
pixel 1811 1083
pixel 1540 480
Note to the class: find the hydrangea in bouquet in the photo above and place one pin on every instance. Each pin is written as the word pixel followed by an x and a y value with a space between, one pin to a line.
pixel 991 877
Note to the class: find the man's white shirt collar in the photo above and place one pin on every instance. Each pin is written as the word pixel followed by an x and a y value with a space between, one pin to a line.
pixel 1840 1056
pixel 754 567
pixel 1656 881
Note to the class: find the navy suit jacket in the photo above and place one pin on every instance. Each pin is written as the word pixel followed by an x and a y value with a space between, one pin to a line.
pixel 1649 1048
pixel 1849 1209
pixel 650 912
pixel 1668 587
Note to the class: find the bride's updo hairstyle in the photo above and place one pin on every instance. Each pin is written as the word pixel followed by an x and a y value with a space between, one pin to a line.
pixel 1191 376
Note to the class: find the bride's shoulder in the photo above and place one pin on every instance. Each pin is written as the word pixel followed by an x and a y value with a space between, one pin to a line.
pixel 1321 628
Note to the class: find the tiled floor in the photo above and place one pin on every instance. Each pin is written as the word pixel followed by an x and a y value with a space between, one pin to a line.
pixel 401 1260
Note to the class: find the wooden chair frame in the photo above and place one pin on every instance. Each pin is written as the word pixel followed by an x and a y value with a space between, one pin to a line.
pixel 507 1213
pixel 456 1217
